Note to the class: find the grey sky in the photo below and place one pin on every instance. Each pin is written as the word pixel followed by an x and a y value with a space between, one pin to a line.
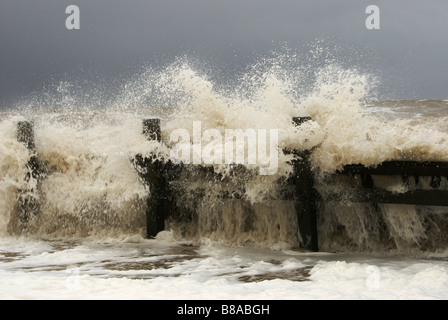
pixel 409 53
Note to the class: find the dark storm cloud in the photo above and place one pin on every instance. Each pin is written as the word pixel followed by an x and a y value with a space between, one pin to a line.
pixel 116 37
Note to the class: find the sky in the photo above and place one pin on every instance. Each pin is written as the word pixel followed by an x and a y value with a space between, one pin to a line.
pixel 408 53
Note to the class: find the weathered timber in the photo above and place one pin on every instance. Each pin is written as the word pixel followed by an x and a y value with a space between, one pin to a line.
pixel 412 197
pixel 28 199
pixel 409 168
pixel 305 195
pixel 433 169
pixel 152 130
pixel 154 173
pixel 299 187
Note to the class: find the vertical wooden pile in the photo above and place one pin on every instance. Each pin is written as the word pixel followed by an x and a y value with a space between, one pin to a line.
pixel 154 174
pixel 305 195
pixel 28 200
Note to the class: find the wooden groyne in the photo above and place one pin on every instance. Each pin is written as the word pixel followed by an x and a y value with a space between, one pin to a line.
pixel 299 187
pixel 306 197
pixel 161 204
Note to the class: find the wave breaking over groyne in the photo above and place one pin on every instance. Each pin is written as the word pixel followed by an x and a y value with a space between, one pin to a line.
pixel 89 184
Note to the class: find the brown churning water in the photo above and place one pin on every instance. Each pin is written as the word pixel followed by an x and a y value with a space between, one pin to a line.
pixel 92 190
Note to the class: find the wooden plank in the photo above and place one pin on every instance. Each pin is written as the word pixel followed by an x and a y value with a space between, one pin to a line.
pixel 413 197
pixel 410 168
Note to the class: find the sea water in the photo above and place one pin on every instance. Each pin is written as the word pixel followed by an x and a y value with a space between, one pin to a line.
pixel 88 240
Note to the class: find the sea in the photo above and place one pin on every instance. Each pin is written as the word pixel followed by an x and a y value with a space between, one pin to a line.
pixel 87 239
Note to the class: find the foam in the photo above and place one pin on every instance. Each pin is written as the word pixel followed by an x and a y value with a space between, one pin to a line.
pixel 157 270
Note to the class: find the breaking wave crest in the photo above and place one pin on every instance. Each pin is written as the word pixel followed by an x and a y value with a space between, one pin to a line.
pixel 84 143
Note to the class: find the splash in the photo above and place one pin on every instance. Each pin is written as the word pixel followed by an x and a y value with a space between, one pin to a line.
pixel 14 157
pixel 85 140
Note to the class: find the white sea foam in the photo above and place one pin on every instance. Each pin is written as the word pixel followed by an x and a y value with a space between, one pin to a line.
pixel 156 270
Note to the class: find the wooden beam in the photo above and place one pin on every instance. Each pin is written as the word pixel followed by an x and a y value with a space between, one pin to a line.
pixel 410 168
pixel 413 197
pixel 305 196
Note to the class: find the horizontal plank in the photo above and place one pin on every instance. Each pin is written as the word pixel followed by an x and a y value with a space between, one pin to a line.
pixel 410 168
pixel 414 197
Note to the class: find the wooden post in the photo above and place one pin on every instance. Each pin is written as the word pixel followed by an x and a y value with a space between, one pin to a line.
pixel 25 134
pixel 28 203
pixel 151 129
pixel 155 177
pixel 305 196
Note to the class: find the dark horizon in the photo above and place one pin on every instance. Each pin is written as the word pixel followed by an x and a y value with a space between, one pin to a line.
pixel 117 39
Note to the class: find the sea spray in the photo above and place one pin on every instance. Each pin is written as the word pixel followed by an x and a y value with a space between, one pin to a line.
pixel 85 143
pixel 13 169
